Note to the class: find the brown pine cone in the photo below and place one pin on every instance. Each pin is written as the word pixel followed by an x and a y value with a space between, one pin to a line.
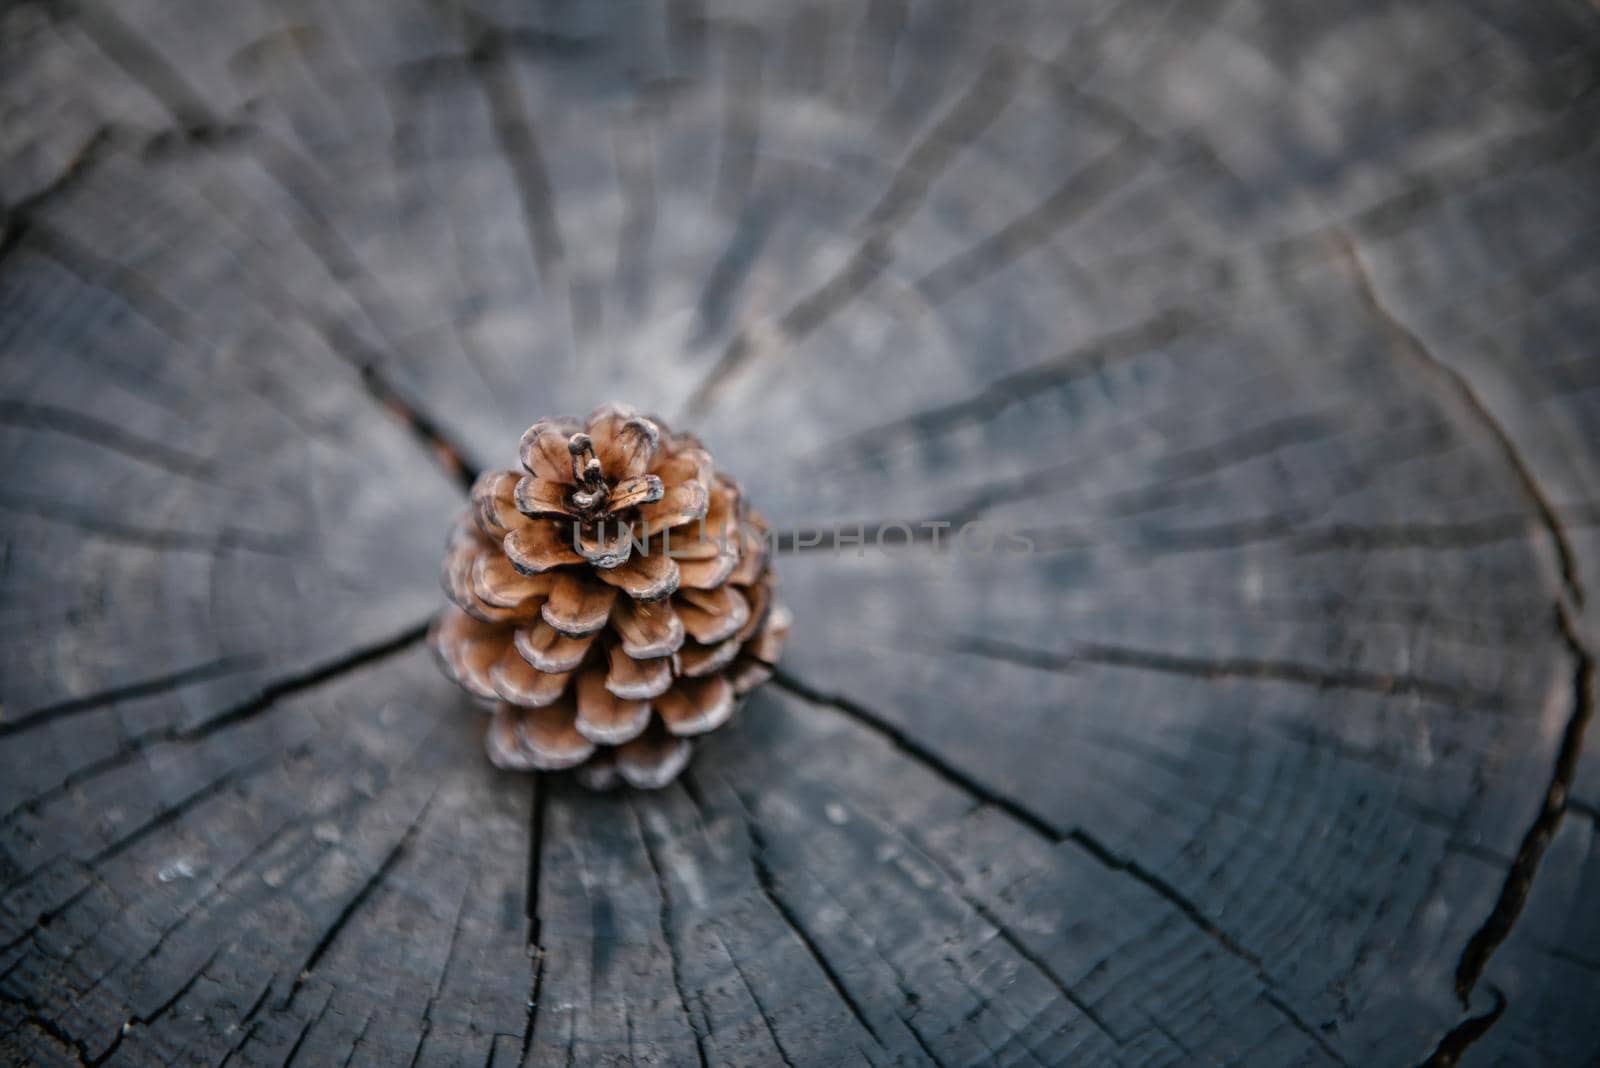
pixel 610 604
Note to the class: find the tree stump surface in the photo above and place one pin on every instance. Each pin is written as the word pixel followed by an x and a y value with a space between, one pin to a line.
pixel 1271 325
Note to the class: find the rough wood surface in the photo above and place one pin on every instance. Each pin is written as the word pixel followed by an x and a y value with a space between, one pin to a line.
pixel 1273 324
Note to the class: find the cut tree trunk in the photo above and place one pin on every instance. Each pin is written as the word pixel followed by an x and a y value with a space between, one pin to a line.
pixel 1269 326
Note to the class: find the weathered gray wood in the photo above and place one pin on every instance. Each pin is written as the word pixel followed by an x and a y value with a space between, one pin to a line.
pixel 1270 324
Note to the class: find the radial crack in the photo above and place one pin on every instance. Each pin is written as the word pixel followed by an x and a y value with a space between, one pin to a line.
pixel 107 435
pixel 921 753
pixel 1456 1041
pixel 761 1010
pixel 1224 668
pixel 995 397
pixel 356 900
pixel 519 143
pixel 1076 836
pixel 211 669
pixel 18 216
pixel 266 698
pixel 1525 867
pixel 1409 342
pixel 312 677
pixel 664 919
pixel 1043 967
pixel 1101 177
pixel 146 66
pixel 170 814
pixel 425 1025
pixel 766 883
pixel 959 127
pixel 174 321
pixel 174 541
pixel 197 122
pixel 536 821
pixel 451 457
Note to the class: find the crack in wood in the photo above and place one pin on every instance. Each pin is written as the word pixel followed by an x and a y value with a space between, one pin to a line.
pixel 919 751
pixel 54 1030
pixel 302 681
pixel 761 1010
pixel 1081 361
pixel 425 1027
pixel 353 905
pixel 492 66
pixel 636 181
pixel 147 301
pixel 691 790
pixel 1522 151
pixel 211 669
pixel 536 823
pixel 81 1048
pixel 1267 440
pixel 1588 811
pixel 198 125
pixel 1046 829
pixel 540 797
pixel 1080 193
pixel 247 1031
pixel 1467 534
pixel 1459 1038
pixel 956 130
pixel 669 935
pixel 168 317
pixel 755 225
pixel 1263 439
pixel 266 698
pixel 742 50
pixel 1056 478
pixel 165 1007
pixel 322 238
pixel 310 1025
pixel 141 297
pixel 908 186
pixel 169 815
pixel 767 884
pixel 361 1036
pixel 1304 540
pixel 145 66
pixel 108 436
pixel 1407 341
pixel 18 216
pixel 1225 668
pixel 1044 968
pixel 179 541
pixel 218 886
pixel 1497 926
pixel 1191 912
pixel 451 457
pixel 225 885
pixel 1502 918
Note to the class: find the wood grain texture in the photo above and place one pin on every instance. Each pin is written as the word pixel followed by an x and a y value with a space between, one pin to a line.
pixel 1270 325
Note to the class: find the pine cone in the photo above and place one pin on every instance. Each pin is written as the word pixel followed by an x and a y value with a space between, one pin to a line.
pixel 610 604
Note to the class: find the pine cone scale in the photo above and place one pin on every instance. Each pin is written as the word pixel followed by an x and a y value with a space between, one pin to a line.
pixel 549 650
pixel 638 679
pixel 578 605
pixel 649 577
